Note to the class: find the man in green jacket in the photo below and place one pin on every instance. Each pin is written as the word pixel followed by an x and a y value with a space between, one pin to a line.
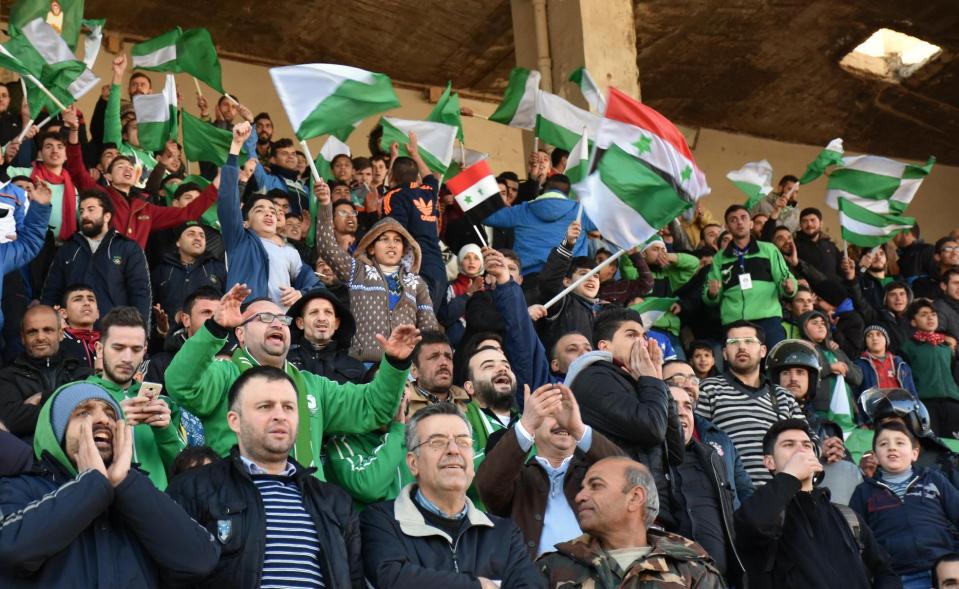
pixel 748 278
pixel 201 384
pixel 157 437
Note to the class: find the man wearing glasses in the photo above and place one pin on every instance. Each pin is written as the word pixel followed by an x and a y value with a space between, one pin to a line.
pixel 432 535
pixel 201 384
pixel 742 401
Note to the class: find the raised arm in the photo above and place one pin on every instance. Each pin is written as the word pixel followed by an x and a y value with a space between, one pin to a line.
pixel 112 127
pixel 327 248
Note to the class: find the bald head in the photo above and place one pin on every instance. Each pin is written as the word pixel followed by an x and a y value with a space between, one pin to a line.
pixel 618 501
pixel 40 332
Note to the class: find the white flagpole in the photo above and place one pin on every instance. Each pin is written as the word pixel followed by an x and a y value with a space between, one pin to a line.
pixel 23 133
pixel 43 88
pixel 480 235
pixel 583 278
pixel 309 159
pixel 196 84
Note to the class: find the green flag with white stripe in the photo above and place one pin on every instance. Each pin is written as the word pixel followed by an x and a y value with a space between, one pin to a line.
pixel 577 164
pixel 435 140
pixel 559 123
pixel 447 110
pixel 655 313
pixel 157 117
pixel 754 179
pixel 864 228
pixel 518 108
pixel 190 52
pixel 590 90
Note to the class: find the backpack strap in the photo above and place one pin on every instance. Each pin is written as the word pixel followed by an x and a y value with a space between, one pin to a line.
pixel 853 522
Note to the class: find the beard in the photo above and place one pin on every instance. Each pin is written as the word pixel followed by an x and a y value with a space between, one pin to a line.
pixel 91 229
pixel 486 392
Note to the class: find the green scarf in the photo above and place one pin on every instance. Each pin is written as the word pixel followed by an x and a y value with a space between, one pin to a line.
pixel 302 448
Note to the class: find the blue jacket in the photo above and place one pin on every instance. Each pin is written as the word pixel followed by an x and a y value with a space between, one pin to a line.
pixel 247 259
pixel 29 240
pixel 871 379
pixel 415 208
pixel 173 281
pixel 917 529
pixel 539 225
pixel 117 271
pixel 742 485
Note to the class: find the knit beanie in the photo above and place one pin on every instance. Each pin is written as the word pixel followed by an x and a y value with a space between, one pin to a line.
pixel 67 399
pixel 880 329
pixel 471 248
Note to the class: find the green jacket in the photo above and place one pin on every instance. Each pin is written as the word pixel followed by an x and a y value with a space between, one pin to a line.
pixel 371 467
pixel 200 383
pixel 113 133
pixel 768 271
pixel 931 369
pixel 673 562
pixel 154 448
pixel 679 272
pixel 44 441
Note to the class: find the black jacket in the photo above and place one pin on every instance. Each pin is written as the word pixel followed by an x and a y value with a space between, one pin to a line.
pixel 117 272
pixel 331 362
pixel 89 534
pixel 573 312
pixel 791 539
pixel 640 417
pixel 821 254
pixel 401 550
pixel 173 281
pixel 26 376
pixel 224 492
pixel 715 471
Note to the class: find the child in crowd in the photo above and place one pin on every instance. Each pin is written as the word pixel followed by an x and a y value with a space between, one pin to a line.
pixel 912 512
pixel 931 359
pixel 880 367
pixel 576 310
pixel 468 281
pixel 702 358
pixel 839 375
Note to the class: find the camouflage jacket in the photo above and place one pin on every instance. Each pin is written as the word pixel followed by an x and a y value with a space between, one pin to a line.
pixel 673 563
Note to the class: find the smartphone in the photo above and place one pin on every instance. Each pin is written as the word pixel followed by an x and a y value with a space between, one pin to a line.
pixel 150 390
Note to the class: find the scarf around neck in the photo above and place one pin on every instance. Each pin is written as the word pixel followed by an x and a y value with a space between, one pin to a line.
pixel 69 223
pixel 930 337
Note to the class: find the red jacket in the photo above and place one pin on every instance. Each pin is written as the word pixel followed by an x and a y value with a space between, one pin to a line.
pixel 135 217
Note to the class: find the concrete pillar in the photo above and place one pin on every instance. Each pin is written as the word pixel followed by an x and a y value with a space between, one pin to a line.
pixel 598 34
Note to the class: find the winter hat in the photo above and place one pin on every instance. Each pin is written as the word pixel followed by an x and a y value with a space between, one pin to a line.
pixel 830 291
pixel 653 241
pixel 181 228
pixel 470 248
pixel 880 329
pixel 67 399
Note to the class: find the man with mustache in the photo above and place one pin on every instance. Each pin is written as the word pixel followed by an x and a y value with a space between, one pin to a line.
pixel 112 265
pixel 744 403
pixel 200 383
pixel 88 518
pixel 538 491
pixel 276 523
pixel 433 373
pixel 432 535
pixel 327 328
pixel 492 385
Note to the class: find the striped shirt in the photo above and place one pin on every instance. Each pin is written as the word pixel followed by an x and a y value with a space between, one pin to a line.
pixel 292 555
pixel 745 414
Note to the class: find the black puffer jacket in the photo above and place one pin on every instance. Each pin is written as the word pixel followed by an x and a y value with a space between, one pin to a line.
pixel 26 376
pixel 333 362
pixel 639 416
pixel 224 492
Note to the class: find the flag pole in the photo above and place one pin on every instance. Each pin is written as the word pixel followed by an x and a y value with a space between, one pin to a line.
pixel 309 159
pixel 583 278
pixel 43 88
pixel 23 133
pixel 480 235
pixel 196 84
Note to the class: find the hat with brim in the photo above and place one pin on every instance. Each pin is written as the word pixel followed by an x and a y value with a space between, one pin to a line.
pixel 344 334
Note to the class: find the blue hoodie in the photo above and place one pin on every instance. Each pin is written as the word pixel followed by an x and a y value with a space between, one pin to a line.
pixel 540 225
pixel 29 240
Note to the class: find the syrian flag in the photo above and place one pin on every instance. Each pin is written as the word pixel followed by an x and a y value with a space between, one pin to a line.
pixel 324 161
pixel 754 180
pixel 325 98
pixel 190 52
pixel 653 310
pixel 476 191
pixel 864 228
pixel 518 108
pixel 578 160
pixel 645 177
pixel 43 54
pixel 559 123
pixel 435 140
pixel 447 110
pixel 590 90
pixel 157 117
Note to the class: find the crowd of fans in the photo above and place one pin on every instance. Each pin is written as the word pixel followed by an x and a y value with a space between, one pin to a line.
pixel 245 378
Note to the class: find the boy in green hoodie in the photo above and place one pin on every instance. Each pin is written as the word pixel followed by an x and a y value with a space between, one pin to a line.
pixel 931 359
pixel 157 437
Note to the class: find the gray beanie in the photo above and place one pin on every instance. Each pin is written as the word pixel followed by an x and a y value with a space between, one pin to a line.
pixel 67 399
pixel 881 330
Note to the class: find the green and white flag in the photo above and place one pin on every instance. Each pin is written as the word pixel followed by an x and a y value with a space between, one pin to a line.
pixel 447 110
pixel 464 157
pixel 590 90
pixel 864 228
pixel 434 140
pixel 655 310
pixel 202 142
pixel 830 156
pixel 157 117
pixel 39 46
pixel 840 407
pixel 578 160
pixel 324 161
pixel 64 17
pixel 518 108
pixel 93 39
pixel 754 180
pixel 178 51
pixel 559 123
pixel 321 98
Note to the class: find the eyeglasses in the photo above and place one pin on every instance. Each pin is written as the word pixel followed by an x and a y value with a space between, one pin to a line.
pixel 342 213
pixel 742 341
pixel 681 379
pixel 439 443
pixel 269 318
